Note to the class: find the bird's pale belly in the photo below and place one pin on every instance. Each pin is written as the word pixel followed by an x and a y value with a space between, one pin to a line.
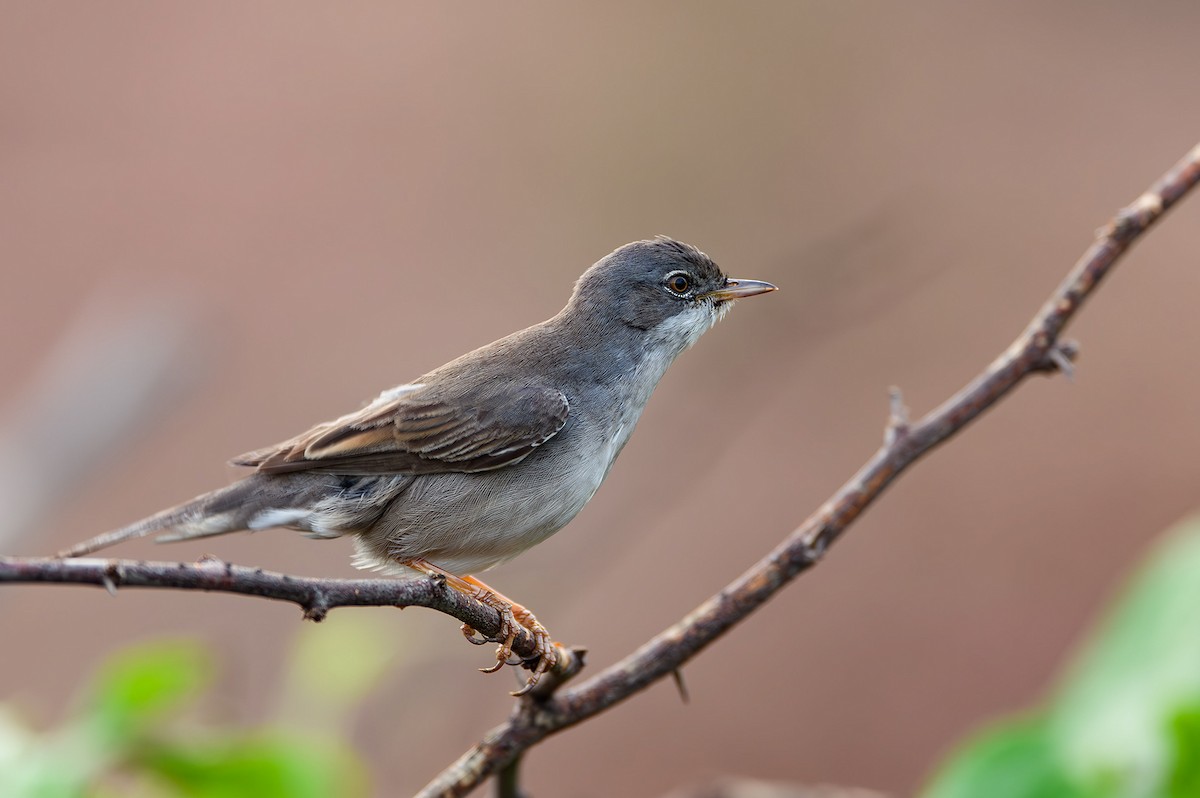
pixel 466 524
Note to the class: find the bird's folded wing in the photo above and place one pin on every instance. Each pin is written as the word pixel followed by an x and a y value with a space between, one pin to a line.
pixel 412 432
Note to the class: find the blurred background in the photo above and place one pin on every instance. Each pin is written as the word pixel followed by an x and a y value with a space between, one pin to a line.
pixel 224 222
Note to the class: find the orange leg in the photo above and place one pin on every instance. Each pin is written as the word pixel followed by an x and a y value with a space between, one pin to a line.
pixel 513 618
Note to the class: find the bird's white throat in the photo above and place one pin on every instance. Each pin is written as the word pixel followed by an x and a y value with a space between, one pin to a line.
pixel 671 337
pixel 668 339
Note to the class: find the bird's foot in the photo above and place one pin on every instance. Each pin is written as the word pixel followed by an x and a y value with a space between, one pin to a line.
pixel 545 655
pixel 509 629
pixel 513 619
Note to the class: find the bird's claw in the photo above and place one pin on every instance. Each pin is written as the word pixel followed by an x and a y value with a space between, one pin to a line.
pixel 470 633
pixel 545 663
pixel 545 652
pixel 509 629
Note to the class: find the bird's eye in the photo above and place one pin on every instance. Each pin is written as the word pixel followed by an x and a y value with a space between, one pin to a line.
pixel 679 283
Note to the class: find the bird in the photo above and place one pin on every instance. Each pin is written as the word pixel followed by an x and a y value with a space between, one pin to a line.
pixel 475 462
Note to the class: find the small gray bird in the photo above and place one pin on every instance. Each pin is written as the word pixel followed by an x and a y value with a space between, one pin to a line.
pixel 492 453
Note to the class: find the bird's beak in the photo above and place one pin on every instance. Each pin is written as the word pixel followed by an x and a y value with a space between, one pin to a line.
pixel 737 289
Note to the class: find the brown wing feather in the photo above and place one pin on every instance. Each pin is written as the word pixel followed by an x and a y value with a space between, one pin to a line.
pixel 485 428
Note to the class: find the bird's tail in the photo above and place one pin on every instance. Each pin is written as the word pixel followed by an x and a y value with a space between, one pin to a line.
pixel 225 510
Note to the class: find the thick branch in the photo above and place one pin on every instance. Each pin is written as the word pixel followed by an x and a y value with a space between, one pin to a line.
pixel 1037 349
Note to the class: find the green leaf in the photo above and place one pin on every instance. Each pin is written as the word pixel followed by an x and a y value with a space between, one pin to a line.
pixel 263 767
pixel 1013 759
pixel 139 685
pixel 1112 718
pixel 1185 738
pixel 1125 720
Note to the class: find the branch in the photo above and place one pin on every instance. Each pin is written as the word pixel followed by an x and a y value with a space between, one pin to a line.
pixel 542 713
pixel 1036 350
pixel 315 596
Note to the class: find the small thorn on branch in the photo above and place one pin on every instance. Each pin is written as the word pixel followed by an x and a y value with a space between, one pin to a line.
pixel 681 686
pixel 1135 218
pixel 1060 359
pixel 111 578
pixel 815 543
pixel 316 610
pixel 897 426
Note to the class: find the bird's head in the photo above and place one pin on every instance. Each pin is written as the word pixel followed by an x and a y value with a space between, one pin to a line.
pixel 666 288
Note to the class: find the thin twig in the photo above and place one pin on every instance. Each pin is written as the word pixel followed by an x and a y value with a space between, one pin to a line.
pixel 1037 350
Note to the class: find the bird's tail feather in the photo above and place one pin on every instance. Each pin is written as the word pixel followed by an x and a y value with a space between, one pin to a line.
pixel 226 510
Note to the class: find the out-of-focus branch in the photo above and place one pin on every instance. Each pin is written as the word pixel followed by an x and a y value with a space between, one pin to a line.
pixel 115 371
pixel 1035 350
pixel 545 711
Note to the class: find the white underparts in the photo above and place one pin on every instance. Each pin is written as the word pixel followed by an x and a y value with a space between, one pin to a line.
pixel 277 517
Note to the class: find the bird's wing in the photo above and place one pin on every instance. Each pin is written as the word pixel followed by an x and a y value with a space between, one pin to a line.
pixel 410 430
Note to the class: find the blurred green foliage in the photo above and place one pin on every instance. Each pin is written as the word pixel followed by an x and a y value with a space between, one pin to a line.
pixel 1125 720
pixel 133 735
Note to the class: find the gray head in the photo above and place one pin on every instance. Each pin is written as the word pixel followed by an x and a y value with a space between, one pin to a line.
pixel 670 290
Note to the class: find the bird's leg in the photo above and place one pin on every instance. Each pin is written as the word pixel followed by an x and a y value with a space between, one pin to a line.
pixel 508 622
pixel 513 618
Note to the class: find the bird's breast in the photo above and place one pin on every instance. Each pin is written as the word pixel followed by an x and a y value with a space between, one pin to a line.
pixel 468 522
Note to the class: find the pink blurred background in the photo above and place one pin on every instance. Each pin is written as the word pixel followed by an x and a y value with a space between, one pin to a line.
pixel 330 199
